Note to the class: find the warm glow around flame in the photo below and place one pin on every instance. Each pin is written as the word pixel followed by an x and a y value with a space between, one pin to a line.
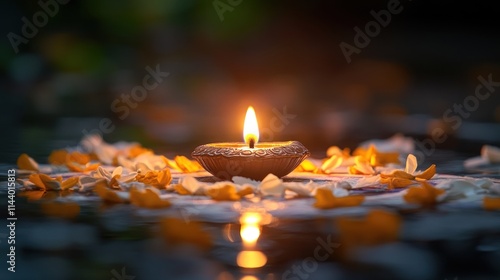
pixel 251 127
pixel 250 228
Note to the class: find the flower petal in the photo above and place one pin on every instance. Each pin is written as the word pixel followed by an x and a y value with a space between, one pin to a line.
pixel 411 164
pixel 226 192
pixel 326 200
pixel 147 198
pixel 491 203
pixel 58 157
pixel 25 162
pixel 272 185
pixel 428 173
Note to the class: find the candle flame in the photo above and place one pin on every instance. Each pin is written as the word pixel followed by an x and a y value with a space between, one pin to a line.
pixel 251 128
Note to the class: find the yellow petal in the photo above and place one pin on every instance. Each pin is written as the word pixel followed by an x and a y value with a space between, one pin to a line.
pixel 491 203
pixel 428 173
pixel 187 165
pixel 306 166
pixel 332 163
pixel 25 162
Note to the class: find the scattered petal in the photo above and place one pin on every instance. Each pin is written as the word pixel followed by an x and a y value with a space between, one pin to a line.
pixel 426 195
pixel 58 157
pixel 61 210
pixel 159 179
pixel 176 231
pixel 378 227
pixel 226 192
pixel 25 162
pixel 326 200
pixel 491 203
pixel 187 165
pixel 147 198
pixel 306 166
pixel 106 194
pixel 272 185
pixel 70 182
pixel 428 173
pixel 45 182
pixel 411 164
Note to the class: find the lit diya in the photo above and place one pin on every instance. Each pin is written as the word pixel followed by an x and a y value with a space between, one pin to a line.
pixel 251 159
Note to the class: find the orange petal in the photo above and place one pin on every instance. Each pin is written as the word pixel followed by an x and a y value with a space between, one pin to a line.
pixel 44 182
pixel 398 174
pixel 58 157
pixel 137 150
pixel 25 162
pixel 177 232
pixel 78 157
pixel 326 200
pixel 164 177
pixel 227 192
pixel 425 195
pixel 400 182
pixel 61 210
pixel 245 191
pixel 181 190
pixel 491 203
pixel 147 198
pixel 106 194
pixel 35 179
pixel 377 227
pixel 70 182
pixel 428 173
pixel 32 195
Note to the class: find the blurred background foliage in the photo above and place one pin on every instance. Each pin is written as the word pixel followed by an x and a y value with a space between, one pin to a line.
pixel 269 54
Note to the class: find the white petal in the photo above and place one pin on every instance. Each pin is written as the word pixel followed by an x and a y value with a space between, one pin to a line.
pixel 272 185
pixel 411 164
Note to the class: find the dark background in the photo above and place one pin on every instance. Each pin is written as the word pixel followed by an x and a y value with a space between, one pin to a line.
pixel 269 54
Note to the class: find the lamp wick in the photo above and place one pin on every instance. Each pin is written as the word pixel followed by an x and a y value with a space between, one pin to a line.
pixel 251 143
